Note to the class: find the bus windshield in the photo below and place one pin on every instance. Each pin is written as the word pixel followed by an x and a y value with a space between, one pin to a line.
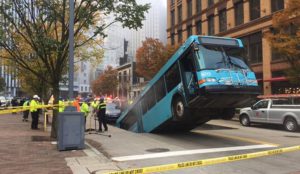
pixel 221 57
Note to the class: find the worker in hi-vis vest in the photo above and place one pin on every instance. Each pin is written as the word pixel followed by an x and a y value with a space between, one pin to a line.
pixel 101 115
pixel 34 103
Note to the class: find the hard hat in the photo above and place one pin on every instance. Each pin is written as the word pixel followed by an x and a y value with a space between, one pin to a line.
pixel 36 97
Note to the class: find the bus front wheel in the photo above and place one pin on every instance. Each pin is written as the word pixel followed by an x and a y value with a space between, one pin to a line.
pixel 178 108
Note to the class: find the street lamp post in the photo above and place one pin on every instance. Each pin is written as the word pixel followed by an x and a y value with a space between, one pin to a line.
pixel 71 49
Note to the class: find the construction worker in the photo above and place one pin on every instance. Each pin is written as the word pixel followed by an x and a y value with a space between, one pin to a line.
pixel 85 109
pixel 61 105
pixel 34 112
pixel 76 104
pixel 26 112
pixel 95 104
pixel 101 115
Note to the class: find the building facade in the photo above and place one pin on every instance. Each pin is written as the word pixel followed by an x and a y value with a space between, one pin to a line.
pixel 248 20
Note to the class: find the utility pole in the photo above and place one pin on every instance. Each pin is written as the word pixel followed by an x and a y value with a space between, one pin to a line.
pixel 71 49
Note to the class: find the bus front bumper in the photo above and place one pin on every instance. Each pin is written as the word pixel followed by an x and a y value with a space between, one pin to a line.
pixel 225 97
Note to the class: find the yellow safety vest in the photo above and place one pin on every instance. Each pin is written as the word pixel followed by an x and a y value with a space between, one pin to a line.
pixel 61 106
pixel 33 105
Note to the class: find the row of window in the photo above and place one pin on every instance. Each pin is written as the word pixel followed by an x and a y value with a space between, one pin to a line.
pixel 254 10
pixel 157 92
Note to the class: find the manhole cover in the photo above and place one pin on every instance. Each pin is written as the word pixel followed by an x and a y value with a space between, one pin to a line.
pixel 40 138
pixel 292 136
pixel 158 150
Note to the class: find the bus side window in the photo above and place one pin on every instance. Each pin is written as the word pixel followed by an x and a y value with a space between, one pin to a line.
pixel 172 77
pixel 160 89
pixel 144 105
pixel 151 98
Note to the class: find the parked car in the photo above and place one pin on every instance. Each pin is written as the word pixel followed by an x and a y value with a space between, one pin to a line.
pixel 3 101
pixel 284 111
pixel 112 112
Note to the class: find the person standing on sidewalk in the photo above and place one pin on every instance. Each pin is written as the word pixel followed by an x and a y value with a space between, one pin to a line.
pixel 26 112
pixel 101 115
pixel 86 110
pixel 34 112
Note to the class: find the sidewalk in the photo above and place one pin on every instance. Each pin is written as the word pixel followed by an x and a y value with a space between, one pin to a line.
pixel 27 151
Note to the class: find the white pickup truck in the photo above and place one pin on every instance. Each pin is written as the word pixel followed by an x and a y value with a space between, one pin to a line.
pixel 274 111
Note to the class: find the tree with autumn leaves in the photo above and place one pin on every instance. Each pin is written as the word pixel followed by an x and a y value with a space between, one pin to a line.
pixel 34 34
pixel 106 83
pixel 285 38
pixel 151 56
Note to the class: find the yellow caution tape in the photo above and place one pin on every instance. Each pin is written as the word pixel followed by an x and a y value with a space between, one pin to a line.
pixel 205 162
pixel 21 109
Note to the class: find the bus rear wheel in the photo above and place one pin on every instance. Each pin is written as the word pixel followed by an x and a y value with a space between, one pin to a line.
pixel 178 108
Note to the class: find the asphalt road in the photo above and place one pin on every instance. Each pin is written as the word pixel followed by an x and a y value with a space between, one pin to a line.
pixel 218 138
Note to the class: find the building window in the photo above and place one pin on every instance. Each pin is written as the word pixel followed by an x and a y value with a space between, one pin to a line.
pixel 223 20
pixel 172 2
pixel 189 30
pixel 199 27
pixel 172 18
pixel 179 8
pixel 86 89
pixel 190 8
pixel 198 6
pixel 254 9
pixel 277 5
pixel 253 47
pixel 239 13
pixel 211 25
pixel 84 81
pixel 179 32
pixel 210 3
pixel 172 39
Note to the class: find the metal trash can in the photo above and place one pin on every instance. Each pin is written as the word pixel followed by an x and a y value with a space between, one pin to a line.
pixel 70 129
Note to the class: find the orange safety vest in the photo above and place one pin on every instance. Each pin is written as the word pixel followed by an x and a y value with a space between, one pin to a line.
pixel 76 104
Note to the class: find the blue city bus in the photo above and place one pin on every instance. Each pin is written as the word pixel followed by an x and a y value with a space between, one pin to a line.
pixel 206 78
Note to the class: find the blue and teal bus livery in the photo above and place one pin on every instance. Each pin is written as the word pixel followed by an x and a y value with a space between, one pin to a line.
pixel 206 78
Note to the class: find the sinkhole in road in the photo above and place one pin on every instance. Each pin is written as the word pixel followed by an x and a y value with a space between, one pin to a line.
pixel 157 150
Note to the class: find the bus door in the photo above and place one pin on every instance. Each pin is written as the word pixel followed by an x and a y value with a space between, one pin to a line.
pixel 188 72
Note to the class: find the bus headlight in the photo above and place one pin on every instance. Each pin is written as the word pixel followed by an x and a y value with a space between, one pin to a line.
pixel 252 81
pixel 211 79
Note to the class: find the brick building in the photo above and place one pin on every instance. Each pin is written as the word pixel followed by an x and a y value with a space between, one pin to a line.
pixel 248 20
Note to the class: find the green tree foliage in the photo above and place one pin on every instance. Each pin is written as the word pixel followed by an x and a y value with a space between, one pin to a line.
pixel 285 38
pixel 106 83
pixel 37 32
pixel 2 84
pixel 151 56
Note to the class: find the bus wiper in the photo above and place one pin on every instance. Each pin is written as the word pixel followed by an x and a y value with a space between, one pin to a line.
pixel 235 64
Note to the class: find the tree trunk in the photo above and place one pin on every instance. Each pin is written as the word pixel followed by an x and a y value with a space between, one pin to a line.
pixel 55 111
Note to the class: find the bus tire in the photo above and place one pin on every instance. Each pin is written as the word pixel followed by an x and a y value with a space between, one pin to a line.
pixel 178 108
pixel 244 120
pixel 290 124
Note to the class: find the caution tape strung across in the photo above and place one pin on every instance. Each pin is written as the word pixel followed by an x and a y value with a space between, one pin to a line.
pixel 21 109
pixel 205 162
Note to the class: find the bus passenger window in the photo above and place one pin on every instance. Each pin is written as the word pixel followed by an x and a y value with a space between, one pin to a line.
pixel 160 89
pixel 144 105
pixel 151 98
pixel 172 77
